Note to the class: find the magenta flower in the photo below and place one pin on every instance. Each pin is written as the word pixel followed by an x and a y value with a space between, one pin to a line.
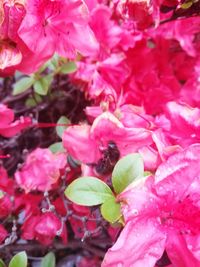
pixel 9 128
pixel 161 213
pixel 184 123
pixel 57 26
pixel 41 170
pixel 80 139
pixel 43 228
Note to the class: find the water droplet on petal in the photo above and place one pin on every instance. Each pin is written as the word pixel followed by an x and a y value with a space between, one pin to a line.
pixel 135 212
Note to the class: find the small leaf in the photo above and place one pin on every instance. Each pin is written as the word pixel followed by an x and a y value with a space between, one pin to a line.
pixel 60 129
pixel 33 101
pixel 1 194
pixel 22 85
pixel 88 191
pixel 68 67
pixel 49 260
pixel 111 210
pixel 187 5
pixel 42 85
pixel 126 171
pixel 2 264
pixel 19 260
pixel 57 147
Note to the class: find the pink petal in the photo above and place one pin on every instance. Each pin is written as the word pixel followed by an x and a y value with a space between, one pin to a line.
pixel 139 244
pixel 77 141
pixel 6 115
pixel 175 176
pixel 178 252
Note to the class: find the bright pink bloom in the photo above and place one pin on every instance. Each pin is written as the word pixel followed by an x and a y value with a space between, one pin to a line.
pixel 190 92
pixel 138 11
pixel 107 32
pixel 161 213
pixel 9 128
pixel 57 26
pixel 80 139
pixel 41 170
pixel 13 13
pixel 43 228
pixel 184 123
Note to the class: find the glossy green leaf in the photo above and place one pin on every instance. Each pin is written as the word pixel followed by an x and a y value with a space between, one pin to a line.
pixel 57 147
pixel 22 85
pixel 19 260
pixel 111 210
pixel 68 68
pixel 49 260
pixel 126 170
pixel 60 129
pixel 2 264
pixel 88 191
pixel 41 86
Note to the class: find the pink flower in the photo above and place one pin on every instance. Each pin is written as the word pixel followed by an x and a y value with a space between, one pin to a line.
pixel 41 170
pixel 184 123
pixel 13 13
pixel 43 228
pixel 80 139
pixel 57 26
pixel 9 128
pixel 161 213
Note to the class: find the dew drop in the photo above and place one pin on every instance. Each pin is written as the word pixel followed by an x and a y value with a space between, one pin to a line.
pixel 135 212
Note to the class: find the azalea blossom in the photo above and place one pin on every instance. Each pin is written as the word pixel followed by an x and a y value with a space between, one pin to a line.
pixel 161 213
pixel 8 127
pixel 57 26
pixel 82 138
pixel 43 228
pixel 41 170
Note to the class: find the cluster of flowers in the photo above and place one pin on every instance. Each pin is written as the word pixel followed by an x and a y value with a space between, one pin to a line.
pixel 141 68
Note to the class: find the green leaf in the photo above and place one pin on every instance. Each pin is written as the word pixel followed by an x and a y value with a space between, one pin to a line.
pixel 41 86
pixel 22 85
pixel 68 67
pixel 126 170
pixel 49 260
pixel 187 5
pixel 60 129
pixel 19 260
pixel 57 147
pixel 88 191
pixel 1 194
pixel 2 264
pixel 33 101
pixel 111 210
